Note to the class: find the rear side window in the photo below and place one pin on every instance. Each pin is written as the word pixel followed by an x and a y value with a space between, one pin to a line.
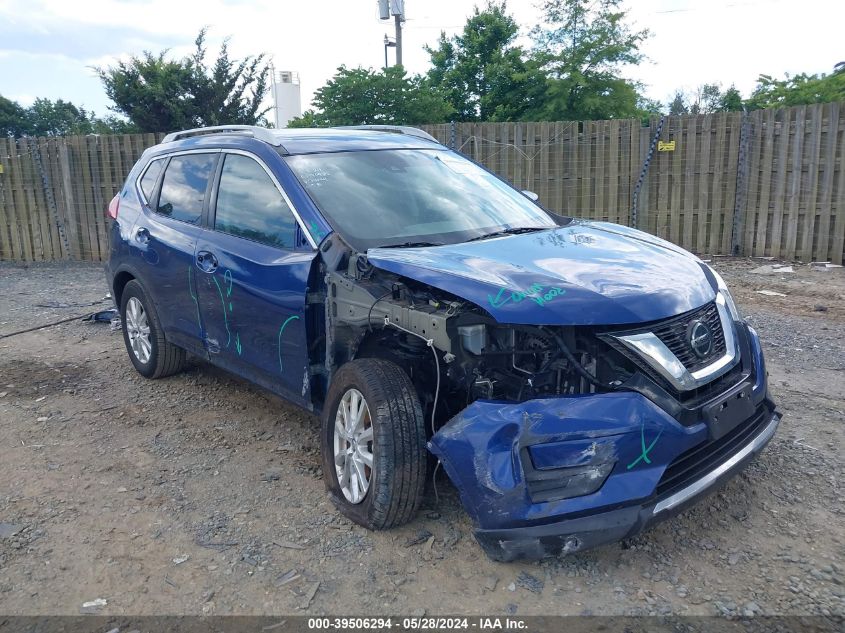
pixel 249 204
pixel 148 182
pixel 183 189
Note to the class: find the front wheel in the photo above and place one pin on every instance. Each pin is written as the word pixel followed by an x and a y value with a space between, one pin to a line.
pixel 373 444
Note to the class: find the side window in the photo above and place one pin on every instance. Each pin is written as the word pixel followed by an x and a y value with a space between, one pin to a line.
pixel 183 189
pixel 148 182
pixel 250 206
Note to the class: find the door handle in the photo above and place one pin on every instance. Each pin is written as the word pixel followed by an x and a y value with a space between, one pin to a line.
pixel 207 261
pixel 142 235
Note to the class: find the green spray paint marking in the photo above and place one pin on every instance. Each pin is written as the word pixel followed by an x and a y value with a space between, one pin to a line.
pixel 282 329
pixel 317 231
pixel 227 281
pixel 538 293
pixel 646 450
pixel 194 297
pixel 225 316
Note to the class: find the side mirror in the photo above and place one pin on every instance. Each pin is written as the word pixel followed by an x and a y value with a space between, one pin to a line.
pixel 533 197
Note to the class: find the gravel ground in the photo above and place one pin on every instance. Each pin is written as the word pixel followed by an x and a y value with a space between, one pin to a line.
pixel 201 494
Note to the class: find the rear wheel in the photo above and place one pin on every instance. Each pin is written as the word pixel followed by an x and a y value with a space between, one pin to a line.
pixel 373 444
pixel 149 351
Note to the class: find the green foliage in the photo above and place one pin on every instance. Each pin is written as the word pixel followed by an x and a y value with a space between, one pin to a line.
pixel 360 96
pixel 799 89
pixel 648 106
pixel 12 118
pixel 55 118
pixel 678 105
pixel 157 94
pixel 307 119
pixel 706 99
pixel 582 48
pixel 573 72
pixel 483 75
pixel 730 101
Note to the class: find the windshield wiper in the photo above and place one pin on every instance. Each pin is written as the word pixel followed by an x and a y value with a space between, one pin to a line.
pixel 514 231
pixel 410 245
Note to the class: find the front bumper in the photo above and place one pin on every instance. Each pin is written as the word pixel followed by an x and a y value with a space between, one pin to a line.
pixel 570 535
pixel 512 463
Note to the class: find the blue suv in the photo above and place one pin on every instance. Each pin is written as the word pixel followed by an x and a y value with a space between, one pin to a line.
pixel 578 381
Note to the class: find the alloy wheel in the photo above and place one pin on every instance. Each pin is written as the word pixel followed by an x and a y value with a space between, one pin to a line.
pixel 353 446
pixel 138 330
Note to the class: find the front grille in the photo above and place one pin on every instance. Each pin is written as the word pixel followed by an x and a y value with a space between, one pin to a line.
pixel 701 459
pixel 696 397
pixel 674 334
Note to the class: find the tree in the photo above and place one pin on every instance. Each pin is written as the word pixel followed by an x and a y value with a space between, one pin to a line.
pixel 111 125
pixel 12 118
pixel 306 119
pixel 730 101
pixel 358 96
pixel 706 99
pixel 678 105
pixel 57 118
pixel 648 106
pixel 158 94
pixel 799 89
pixel 583 47
pixel 483 75
pixel 233 91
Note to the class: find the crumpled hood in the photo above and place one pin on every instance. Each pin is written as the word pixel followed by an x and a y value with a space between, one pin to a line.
pixel 585 273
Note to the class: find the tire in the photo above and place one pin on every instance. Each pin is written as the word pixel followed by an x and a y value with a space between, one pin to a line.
pixel 396 442
pixel 152 355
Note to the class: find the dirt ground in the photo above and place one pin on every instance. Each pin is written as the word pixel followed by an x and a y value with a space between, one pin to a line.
pixel 201 494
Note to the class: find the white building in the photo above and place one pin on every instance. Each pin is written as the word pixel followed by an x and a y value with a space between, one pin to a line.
pixel 287 103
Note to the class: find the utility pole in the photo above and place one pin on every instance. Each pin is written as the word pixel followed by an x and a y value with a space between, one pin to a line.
pixel 398 19
pixel 395 8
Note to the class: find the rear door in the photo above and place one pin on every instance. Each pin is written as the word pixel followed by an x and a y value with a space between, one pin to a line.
pixel 253 262
pixel 165 236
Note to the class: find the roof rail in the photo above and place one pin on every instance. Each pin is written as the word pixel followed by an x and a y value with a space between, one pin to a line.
pixel 395 129
pixel 259 133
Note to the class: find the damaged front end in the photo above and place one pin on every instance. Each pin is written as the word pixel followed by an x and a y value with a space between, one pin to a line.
pixel 566 434
pixel 566 473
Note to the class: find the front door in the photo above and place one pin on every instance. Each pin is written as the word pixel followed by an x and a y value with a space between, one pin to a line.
pixel 253 275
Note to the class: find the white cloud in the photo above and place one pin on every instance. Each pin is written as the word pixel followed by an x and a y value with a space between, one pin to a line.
pixel 23 99
pixel 693 41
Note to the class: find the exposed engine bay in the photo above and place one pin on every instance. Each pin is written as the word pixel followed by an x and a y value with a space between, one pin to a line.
pixel 454 351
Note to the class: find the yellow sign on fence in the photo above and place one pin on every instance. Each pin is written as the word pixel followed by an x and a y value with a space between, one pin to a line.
pixel 665 146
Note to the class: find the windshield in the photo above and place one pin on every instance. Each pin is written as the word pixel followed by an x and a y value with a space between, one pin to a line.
pixel 412 197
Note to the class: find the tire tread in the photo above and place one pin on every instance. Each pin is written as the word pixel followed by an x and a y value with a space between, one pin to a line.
pixel 168 358
pixel 401 438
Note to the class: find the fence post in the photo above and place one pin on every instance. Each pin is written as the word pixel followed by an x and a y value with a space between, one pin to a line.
pixel 740 200
pixel 51 201
pixel 452 133
pixel 643 172
pixel 71 216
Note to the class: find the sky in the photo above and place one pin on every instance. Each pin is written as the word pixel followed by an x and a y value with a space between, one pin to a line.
pixel 48 47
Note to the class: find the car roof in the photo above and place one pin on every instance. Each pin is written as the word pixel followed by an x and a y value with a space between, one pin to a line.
pixel 307 140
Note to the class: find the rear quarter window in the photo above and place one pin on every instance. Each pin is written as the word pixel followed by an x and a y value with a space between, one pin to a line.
pixel 148 181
